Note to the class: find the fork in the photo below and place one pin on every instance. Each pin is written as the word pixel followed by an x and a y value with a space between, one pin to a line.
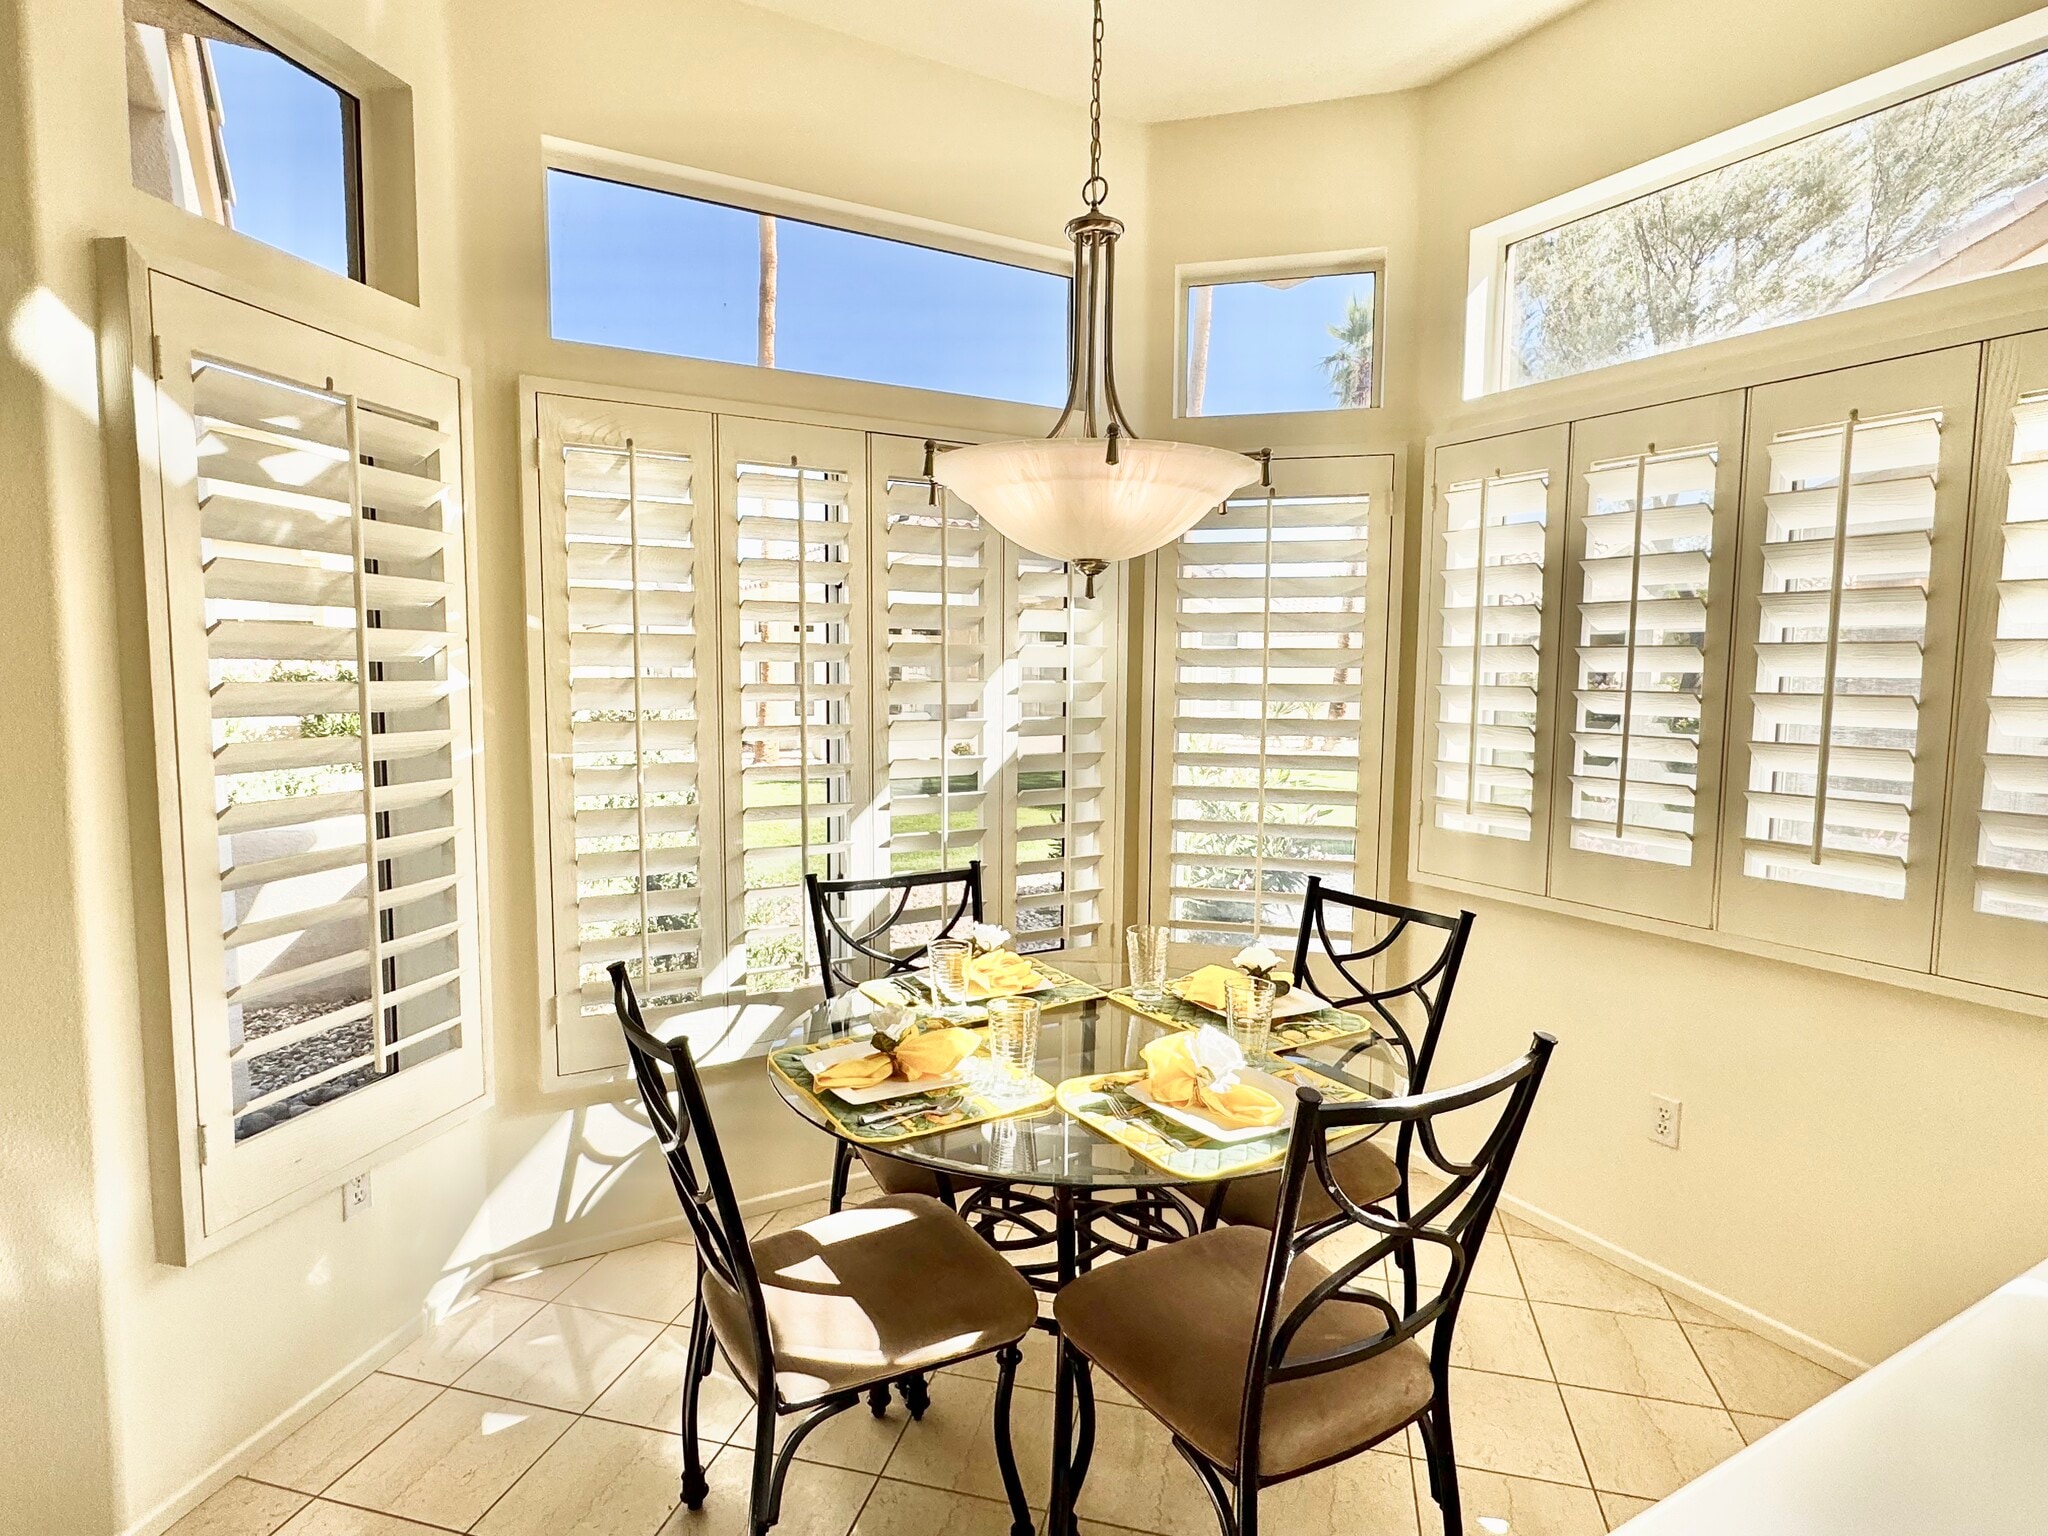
pixel 1124 1106
pixel 937 1106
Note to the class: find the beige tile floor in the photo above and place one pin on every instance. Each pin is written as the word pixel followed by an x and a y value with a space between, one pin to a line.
pixel 547 1406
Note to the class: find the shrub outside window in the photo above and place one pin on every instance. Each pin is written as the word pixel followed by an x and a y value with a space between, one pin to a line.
pixel 1936 190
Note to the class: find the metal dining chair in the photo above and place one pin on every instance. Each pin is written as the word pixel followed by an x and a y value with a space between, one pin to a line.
pixel 812 1318
pixel 1340 976
pixel 1267 1362
pixel 845 946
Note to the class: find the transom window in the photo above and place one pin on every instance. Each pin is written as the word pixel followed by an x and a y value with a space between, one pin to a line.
pixel 1939 189
pixel 656 271
pixel 225 126
pixel 1260 345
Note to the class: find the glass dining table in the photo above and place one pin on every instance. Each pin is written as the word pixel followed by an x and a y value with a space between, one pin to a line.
pixel 1055 1194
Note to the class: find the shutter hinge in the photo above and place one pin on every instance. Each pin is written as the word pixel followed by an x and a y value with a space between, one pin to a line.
pixel 202 1145
pixel 156 358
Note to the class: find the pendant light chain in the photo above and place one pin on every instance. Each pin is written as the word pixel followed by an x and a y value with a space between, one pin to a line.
pixel 1095 188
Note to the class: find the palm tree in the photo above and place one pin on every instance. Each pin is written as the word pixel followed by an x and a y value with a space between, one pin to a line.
pixel 1350 366
pixel 764 330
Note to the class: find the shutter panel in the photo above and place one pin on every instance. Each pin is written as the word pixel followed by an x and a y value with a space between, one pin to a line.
pixel 1994 925
pixel 939 732
pixel 1272 623
pixel 1498 537
pixel 796 689
pixel 1061 719
pixel 1647 595
pixel 315 562
pixel 1852 556
pixel 625 508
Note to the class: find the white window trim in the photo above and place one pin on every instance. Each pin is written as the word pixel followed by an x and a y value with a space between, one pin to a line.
pixel 1196 274
pixel 1486 291
pixel 184 1235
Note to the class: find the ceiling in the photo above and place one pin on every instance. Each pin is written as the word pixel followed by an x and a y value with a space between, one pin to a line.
pixel 1167 59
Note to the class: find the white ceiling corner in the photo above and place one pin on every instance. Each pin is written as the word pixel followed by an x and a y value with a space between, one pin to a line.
pixel 1166 59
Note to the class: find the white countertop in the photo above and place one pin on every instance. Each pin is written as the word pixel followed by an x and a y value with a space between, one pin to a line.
pixel 1949 1437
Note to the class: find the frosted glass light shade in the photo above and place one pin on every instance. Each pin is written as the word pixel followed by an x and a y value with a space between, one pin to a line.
pixel 1060 497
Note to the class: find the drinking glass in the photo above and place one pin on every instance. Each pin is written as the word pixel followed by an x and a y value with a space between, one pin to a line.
pixel 949 960
pixel 1013 1034
pixel 1248 1012
pixel 1145 946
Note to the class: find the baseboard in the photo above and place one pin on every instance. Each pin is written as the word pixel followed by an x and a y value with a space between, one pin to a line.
pixel 1699 1295
pixel 590 1244
pixel 176 1506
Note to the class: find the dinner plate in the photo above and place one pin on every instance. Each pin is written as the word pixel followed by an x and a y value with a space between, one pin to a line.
pixel 1195 1120
pixel 815 1062
pixel 1297 1002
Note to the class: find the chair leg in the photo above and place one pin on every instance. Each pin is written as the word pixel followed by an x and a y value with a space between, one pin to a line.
pixel 698 1366
pixel 761 1503
pixel 1443 1465
pixel 916 1392
pixel 878 1400
pixel 1247 1506
pixel 842 1170
pixel 1007 1360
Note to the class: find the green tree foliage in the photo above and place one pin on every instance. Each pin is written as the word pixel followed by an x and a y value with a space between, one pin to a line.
pixel 1350 366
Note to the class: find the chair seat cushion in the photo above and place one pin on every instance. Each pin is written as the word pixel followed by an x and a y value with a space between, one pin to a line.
pixel 1174 1326
pixel 873 1292
pixel 1363 1172
pixel 893 1176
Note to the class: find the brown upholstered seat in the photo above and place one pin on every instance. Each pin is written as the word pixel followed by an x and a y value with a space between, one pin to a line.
pixel 872 1293
pixel 1174 1327
pixel 1363 1171
pixel 893 1176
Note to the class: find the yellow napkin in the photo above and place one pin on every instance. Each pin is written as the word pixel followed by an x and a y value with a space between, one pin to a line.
pixel 1001 973
pixel 1205 987
pixel 1179 1076
pixel 918 1054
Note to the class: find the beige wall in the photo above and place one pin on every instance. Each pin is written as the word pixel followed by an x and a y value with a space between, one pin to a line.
pixel 1806 1189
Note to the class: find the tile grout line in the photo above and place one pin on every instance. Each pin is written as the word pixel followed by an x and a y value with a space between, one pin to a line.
pixel 1557 1386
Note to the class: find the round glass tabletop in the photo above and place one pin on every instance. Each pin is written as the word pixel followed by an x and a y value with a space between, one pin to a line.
pixel 1047 1146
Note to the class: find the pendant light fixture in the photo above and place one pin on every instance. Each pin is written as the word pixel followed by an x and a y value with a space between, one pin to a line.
pixel 1093 491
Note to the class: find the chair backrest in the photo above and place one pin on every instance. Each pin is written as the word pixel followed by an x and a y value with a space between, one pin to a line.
pixel 1427 991
pixel 841 948
pixel 676 1109
pixel 1454 1221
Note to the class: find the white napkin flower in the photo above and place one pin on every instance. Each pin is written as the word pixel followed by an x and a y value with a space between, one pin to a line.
pixel 988 936
pixel 1217 1058
pixel 1256 960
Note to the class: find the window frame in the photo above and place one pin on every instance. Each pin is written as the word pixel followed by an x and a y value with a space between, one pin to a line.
pixel 1379 476
pixel 1349 263
pixel 727 1012
pixel 1488 296
pixel 187 1231
pixel 652 175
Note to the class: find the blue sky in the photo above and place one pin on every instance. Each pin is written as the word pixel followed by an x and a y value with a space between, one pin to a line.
pixel 657 272
pixel 1267 345
pixel 283 130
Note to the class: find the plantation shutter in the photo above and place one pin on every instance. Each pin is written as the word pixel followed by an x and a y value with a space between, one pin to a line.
pixel 1647 598
pixel 795 617
pixel 315 636
pixel 1061 707
pixel 1498 537
pixel 1853 533
pixel 626 584
pixel 1994 926
pixel 938 731
pixel 1271 660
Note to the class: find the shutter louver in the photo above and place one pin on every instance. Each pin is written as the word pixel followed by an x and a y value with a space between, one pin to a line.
pixel 1267 610
pixel 1853 526
pixel 630 562
pixel 2011 857
pixel 1847 557
pixel 1062 708
pixel 309 602
pixel 798 702
pixel 939 567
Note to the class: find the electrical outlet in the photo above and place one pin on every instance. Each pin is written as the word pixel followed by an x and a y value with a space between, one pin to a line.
pixel 1664 1121
pixel 355 1196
